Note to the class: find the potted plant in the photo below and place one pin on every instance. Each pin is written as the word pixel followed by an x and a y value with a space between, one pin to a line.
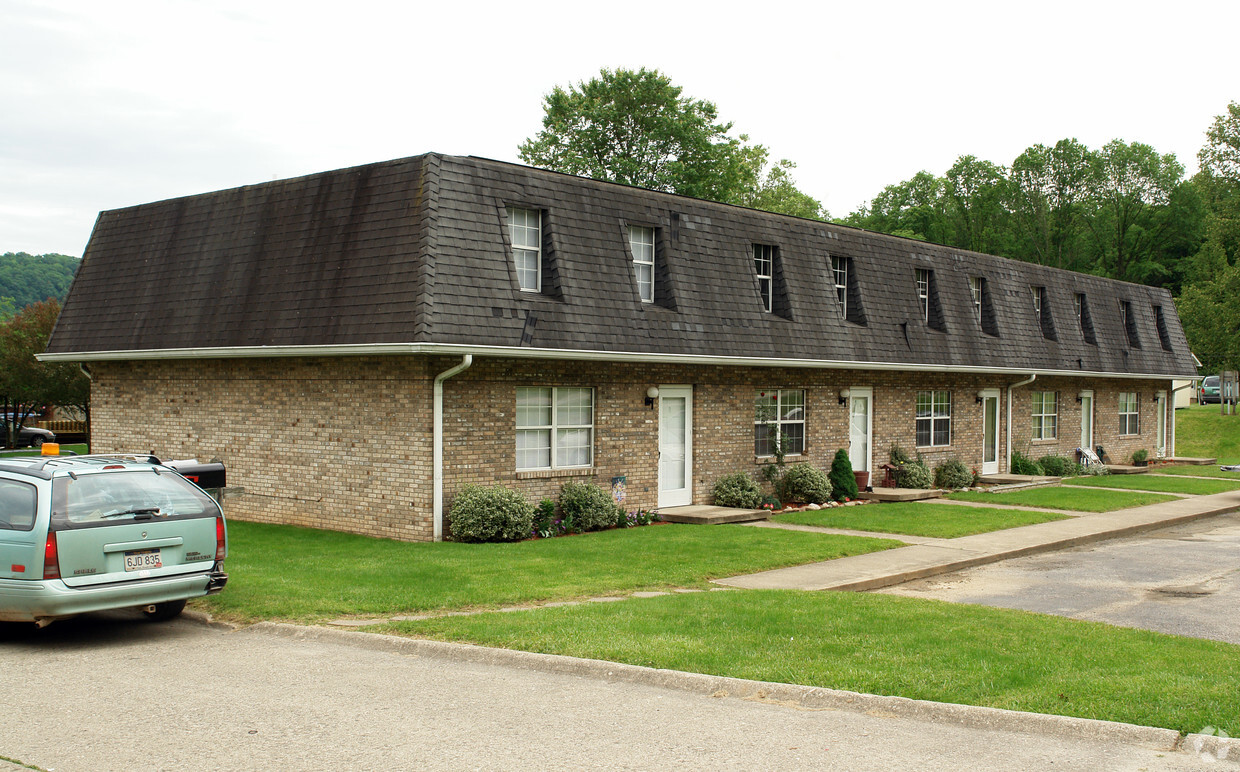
pixel 1140 456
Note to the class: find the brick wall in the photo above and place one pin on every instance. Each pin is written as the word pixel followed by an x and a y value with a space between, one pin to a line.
pixel 345 443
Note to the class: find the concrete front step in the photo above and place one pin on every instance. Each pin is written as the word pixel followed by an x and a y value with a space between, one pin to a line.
pixel 708 515
pixel 1127 469
pixel 1024 480
pixel 1192 461
pixel 900 494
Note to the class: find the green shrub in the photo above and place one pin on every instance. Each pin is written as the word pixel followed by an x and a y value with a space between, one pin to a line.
pixel 898 456
pixel 587 507
pixel 770 502
pixel 915 474
pixel 1057 466
pixel 737 490
pixel 1022 464
pixel 1140 455
pixel 952 474
pixel 544 519
pixel 805 484
pixel 1094 470
pixel 481 514
pixel 843 482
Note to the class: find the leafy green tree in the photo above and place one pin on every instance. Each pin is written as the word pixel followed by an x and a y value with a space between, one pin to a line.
pixel 975 193
pixel 635 127
pixel 1210 313
pixel 28 384
pixel 31 278
pixel 1046 189
pixel 914 209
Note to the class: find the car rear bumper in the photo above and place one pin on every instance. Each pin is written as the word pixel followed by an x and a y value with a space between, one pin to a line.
pixel 23 600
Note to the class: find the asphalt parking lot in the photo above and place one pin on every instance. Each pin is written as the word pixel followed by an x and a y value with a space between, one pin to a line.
pixel 1183 580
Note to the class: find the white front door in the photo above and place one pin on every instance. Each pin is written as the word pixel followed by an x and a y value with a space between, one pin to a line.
pixel 990 431
pixel 860 427
pixel 675 446
pixel 1161 417
pixel 1087 420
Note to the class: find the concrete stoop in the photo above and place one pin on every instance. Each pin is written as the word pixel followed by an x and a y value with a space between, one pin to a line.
pixel 698 514
pixel 900 494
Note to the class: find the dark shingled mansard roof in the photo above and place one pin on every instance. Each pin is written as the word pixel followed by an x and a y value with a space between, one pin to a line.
pixel 415 251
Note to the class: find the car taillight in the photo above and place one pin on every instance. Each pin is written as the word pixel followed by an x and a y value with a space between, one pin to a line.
pixel 51 560
pixel 219 538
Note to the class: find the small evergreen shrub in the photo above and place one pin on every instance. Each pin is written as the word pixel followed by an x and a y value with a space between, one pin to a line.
pixel 481 514
pixel 1022 464
pixel 1095 470
pixel 805 484
pixel 898 456
pixel 915 474
pixel 544 519
pixel 1057 466
pixel 770 502
pixel 952 474
pixel 843 482
pixel 587 506
pixel 1139 456
pixel 737 490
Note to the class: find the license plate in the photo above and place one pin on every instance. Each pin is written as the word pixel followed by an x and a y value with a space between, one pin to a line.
pixel 143 559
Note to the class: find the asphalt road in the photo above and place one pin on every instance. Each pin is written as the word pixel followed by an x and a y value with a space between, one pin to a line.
pixel 1183 580
pixel 112 692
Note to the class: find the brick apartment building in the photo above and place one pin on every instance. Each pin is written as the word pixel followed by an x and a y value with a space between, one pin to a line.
pixel 356 345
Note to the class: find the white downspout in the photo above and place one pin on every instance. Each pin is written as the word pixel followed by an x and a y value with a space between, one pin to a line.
pixel 437 442
pixel 1028 380
pixel 1171 418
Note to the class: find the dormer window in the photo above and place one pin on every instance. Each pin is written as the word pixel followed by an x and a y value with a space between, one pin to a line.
pixel 1042 312
pixel 1037 303
pixel 976 284
pixel 922 276
pixel 764 267
pixel 1129 324
pixel 1081 304
pixel 641 243
pixel 1164 335
pixel 839 273
pixel 525 233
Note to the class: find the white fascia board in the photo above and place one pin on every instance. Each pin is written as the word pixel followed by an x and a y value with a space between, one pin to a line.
pixel 518 352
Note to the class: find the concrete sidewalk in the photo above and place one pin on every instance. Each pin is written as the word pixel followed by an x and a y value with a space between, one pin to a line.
pixel 939 556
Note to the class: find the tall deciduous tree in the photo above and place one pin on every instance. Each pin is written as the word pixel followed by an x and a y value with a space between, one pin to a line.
pixel 1046 189
pixel 27 383
pixel 635 127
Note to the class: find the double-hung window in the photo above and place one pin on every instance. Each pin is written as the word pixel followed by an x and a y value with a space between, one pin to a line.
pixel 922 275
pixel 1128 412
pixel 764 267
pixel 779 417
pixel 839 273
pixel 1045 415
pixel 934 418
pixel 641 242
pixel 1037 303
pixel 525 233
pixel 555 427
pixel 975 289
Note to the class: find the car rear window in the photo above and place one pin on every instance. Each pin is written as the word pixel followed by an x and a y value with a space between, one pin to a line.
pixel 17 505
pixel 107 498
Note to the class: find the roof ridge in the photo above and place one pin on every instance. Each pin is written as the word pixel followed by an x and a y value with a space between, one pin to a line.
pixel 427 207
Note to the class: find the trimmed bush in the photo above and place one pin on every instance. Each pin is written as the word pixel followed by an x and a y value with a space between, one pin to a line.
pixel 770 502
pixel 1022 464
pixel 915 474
pixel 737 490
pixel 898 456
pixel 805 484
pixel 1058 466
pixel 952 474
pixel 587 506
pixel 843 482
pixel 481 514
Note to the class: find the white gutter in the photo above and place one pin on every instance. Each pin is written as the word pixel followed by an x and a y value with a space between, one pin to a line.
pixel 1028 380
pixel 437 442
pixel 590 355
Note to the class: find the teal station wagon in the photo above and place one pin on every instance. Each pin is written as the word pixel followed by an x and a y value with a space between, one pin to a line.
pixel 89 533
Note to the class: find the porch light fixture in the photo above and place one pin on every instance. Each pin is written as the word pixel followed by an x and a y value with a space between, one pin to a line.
pixel 1080 397
pixel 981 395
pixel 844 394
pixel 652 394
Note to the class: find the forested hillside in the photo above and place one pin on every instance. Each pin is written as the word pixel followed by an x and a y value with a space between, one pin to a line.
pixel 28 279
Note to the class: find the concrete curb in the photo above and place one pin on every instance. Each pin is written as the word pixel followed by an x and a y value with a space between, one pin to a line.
pixel 791 695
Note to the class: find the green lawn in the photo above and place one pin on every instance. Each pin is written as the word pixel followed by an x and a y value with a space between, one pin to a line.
pixel 915 518
pixel 1072 499
pixel 1201 432
pixel 304 574
pixel 1145 482
pixel 884 644
pixel 1211 470
pixel 79 449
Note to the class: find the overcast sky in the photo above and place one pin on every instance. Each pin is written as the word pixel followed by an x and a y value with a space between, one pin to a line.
pixel 108 103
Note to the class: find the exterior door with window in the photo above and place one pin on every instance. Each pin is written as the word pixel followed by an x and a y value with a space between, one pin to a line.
pixel 990 431
pixel 860 427
pixel 1087 420
pixel 675 446
pixel 1161 419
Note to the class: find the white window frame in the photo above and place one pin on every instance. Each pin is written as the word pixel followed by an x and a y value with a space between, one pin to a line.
pixel 554 435
pixel 1045 422
pixel 525 249
pixel 1037 302
pixel 764 258
pixel 934 411
pixel 922 278
pixel 1131 418
pixel 1078 301
pixel 839 275
pixel 641 244
pixel 976 283
pixel 786 401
